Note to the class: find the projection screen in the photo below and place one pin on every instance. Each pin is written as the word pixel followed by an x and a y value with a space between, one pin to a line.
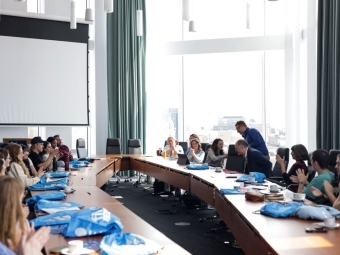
pixel 43 72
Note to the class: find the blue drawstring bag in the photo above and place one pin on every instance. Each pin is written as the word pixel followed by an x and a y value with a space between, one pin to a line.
pixel 128 244
pixel 58 218
pixel 259 177
pixel 93 221
pixel 279 210
pixel 198 166
pixel 52 196
pixel 45 204
pixel 59 174
pixel 231 192
pixel 54 185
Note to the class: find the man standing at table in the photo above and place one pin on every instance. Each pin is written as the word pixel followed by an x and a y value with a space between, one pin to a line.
pixel 253 137
pixel 253 159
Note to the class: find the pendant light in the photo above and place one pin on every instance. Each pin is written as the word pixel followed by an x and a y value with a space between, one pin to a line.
pixel 108 6
pixel 73 19
pixel 88 12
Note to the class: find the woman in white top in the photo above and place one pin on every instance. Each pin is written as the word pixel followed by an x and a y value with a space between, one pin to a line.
pixel 173 148
pixel 28 162
pixel 17 168
pixel 216 154
pixel 6 160
pixel 195 153
pixel 46 153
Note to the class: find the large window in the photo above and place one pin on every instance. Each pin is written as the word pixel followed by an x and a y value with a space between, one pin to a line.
pixel 207 93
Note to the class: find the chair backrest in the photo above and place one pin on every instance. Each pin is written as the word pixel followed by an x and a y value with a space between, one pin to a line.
pixel 134 146
pixel 81 148
pixel 184 146
pixel 207 147
pixel 204 146
pixel 283 153
pixel 332 161
pixel 113 146
pixel 235 162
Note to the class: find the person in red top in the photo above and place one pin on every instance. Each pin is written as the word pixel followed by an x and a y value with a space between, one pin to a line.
pixel 64 151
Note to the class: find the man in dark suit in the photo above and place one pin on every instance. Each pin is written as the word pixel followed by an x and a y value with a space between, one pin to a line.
pixel 254 160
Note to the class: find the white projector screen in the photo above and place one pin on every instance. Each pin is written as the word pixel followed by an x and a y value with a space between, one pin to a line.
pixel 43 72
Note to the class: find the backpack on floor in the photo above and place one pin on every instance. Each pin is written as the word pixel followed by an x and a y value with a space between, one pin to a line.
pixel 158 186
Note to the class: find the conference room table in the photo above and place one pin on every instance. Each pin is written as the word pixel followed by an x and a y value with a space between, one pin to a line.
pixel 86 182
pixel 255 233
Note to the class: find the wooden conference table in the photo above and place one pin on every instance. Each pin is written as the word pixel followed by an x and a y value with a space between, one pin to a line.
pixel 86 183
pixel 256 233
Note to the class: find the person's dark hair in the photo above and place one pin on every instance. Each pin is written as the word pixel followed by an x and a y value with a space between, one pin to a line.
pixel 4 152
pixel 2 161
pixel 242 142
pixel 24 148
pixel 322 157
pixel 241 123
pixel 50 140
pixel 300 152
pixel 214 147
pixel 55 137
pixel 46 143
pixel 3 145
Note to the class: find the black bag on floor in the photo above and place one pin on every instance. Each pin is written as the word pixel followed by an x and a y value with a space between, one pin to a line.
pixel 158 186
pixel 191 201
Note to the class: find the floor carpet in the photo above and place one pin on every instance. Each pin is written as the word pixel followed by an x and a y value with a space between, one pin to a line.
pixel 198 238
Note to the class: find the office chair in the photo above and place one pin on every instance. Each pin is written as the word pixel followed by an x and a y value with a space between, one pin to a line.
pixel 235 162
pixel 184 146
pixel 277 173
pixel 134 147
pixel 113 147
pixel 204 146
pixel 81 148
pixel 207 147
pixel 332 162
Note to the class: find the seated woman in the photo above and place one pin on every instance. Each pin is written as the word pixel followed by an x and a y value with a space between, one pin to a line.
pixel 216 154
pixel 17 168
pixel 195 153
pixel 173 148
pixel 192 136
pixel 299 154
pixel 6 161
pixel 15 231
pixel 45 154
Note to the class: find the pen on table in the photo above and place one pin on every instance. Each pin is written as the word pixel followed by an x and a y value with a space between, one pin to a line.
pixel 89 193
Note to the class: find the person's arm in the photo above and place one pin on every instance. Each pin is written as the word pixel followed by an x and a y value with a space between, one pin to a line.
pixel 17 172
pixel 198 157
pixel 33 170
pixel 49 159
pixel 255 137
pixel 213 157
pixel 336 203
pixel 329 190
pixel 302 179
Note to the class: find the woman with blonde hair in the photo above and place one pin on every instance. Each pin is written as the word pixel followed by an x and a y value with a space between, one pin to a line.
pixel 195 154
pixel 14 228
pixel 17 168
pixel 173 148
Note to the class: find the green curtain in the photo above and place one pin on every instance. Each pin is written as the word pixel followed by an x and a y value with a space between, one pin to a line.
pixel 126 73
pixel 328 71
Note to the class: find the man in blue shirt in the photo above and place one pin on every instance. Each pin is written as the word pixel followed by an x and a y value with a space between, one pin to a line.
pixel 253 137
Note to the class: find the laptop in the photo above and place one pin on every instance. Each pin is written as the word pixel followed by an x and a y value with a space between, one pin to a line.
pixel 183 159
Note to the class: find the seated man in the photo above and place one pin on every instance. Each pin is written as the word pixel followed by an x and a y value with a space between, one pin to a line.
pixel 254 160
pixel 64 151
pixel 36 148
pixel 320 161
pixel 334 199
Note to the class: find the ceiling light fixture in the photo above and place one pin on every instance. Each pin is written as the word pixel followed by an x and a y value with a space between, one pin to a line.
pixel 73 19
pixel 108 6
pixel 88 12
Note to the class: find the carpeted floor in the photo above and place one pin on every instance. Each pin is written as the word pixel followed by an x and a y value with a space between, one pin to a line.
pixel 197 238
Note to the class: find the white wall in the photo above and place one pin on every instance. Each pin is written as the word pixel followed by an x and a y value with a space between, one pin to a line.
pixel 13 132
pixel 13 5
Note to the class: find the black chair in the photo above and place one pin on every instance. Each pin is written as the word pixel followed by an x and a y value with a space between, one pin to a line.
pixel 113 146
pixel 81 148
pixel 204 146
pixel 332 162
pixel 184 146
pixel 206 152
pixel 235 162
pixel 283 153
pixel 134 147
